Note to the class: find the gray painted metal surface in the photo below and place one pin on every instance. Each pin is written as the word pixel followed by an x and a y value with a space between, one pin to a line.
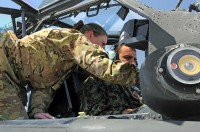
pixel 174 27
pixel 167 27
pixel 98 125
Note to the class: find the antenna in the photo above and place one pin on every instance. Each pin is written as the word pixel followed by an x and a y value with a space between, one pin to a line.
pixel 178 4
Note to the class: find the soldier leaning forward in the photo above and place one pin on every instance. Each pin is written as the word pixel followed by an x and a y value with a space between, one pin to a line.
pixel 44 59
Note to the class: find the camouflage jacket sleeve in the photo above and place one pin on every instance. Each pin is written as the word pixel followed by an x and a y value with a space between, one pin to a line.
pixel 39 101
pixel 71 47
pixel 94 59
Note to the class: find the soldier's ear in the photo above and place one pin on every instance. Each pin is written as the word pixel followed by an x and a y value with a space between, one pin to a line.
pixel 89 34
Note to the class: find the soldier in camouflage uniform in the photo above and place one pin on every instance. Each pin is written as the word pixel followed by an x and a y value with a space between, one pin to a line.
pixel 10 105
pixel 99 97
pixel 44 59
pixel 42 99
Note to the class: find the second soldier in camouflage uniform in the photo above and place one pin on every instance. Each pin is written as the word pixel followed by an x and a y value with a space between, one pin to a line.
pixel 102 98
pixel 44 59
pixel 99 97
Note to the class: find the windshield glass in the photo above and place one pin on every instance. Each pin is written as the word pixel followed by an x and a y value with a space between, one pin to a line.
pixel 107 18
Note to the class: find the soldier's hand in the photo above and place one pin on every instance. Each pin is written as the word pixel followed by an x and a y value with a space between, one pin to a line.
pixel 127 111
pixel 43 116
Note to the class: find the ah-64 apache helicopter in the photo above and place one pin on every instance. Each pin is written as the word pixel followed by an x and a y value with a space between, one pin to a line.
pixel 170 74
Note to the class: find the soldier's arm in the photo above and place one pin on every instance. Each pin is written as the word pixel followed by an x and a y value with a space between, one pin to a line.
pixel 95 60
pixel 40 100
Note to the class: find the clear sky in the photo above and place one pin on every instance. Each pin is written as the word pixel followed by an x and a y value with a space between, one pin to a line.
pixel 157 4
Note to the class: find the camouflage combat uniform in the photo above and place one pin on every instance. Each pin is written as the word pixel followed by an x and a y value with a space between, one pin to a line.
pixel 10 104
pixel 98 97
pixel 45 58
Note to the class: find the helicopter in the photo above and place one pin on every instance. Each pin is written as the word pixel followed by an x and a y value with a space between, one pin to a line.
pixel 170 74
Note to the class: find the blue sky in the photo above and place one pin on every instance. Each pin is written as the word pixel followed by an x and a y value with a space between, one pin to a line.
pixel 157 4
